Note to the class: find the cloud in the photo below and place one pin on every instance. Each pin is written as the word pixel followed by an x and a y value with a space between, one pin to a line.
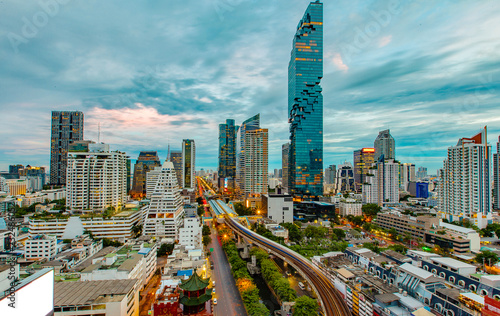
pixel 384 41
pixel 337 61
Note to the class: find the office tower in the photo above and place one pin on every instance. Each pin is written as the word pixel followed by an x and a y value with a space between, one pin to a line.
pixel 227 155
pixel 147 161
pixel 305 105
pixel 96 178
pixel 165 212
pixel 256 162
pixel 15 168
pixel 67 127
pixel 176 158
pixel 129 175
pixel 330 174
pixel 382 183
pixel 421 173
pixel 406 175
pixel 152 180
pixel 285 150
pixel 344 180
pixel 33 172
pixel 188 164
pixel 250 124
pixel 465 191
pixel 496 177
pixel 364 159
pixel 384 145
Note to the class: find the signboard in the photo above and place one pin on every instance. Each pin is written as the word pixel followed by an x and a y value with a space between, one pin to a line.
pixel 211 249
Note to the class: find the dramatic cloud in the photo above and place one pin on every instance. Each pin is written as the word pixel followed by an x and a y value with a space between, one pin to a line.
pixel 153 73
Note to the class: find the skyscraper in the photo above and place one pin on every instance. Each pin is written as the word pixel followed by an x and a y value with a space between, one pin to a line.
pixel 66 127
pixel 381 184
pixel 421 173
pixel 146 161
pixel 496 177
pixel 465 191
pixel 363 161
pixel 165 212
pixel 406 175
pixel 330 174
pixel 227 155
pixel 251 124
pixel 344 180
pixel 305 105
pixel 384 145
pixel 256 162
pixel 285 150
pixel 188 164
pixel 96 178
pixel 176 158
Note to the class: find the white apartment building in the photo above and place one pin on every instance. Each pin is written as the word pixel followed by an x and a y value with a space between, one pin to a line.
pixel 117 227
pixel 190 235
pixel 42 196
pixel 188 164
pixel 4 188
pixel 41 246
pixel 382 183
pixel 152 180
pixel 406 175
pixel 256 161
pixel 465 189
pixel 96 179
pixel 350 207
pixel 165 211
pixel 278 207
pixel 496 177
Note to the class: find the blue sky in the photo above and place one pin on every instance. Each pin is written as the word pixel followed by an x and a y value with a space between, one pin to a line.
pixel 155 72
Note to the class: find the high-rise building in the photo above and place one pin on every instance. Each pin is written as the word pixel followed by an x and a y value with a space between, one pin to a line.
pixel 285 150
pixel 96 179
pixel 227 155
pixel 256 162
pixel 147 161
pixel 465 191
pixel 15 168
pixel 421 173
pixel 165 211
pixel 406 175
pixel 364 159
pixel 250 124
pixel 344 180
pixel 382 183
pixel 305 105
pixel 385 145
pixel 176 158
pixel 330 174
pixel 188 164
pixel 30 172
pixel 496 177
pixel 67 127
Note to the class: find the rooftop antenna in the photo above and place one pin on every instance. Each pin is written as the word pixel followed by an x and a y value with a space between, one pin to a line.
pixel 99 133
pixel 168 152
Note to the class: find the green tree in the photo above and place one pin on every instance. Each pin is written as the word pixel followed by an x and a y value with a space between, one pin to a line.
pixel 199 200
pixel 338 234
pixel 373 246
pixel 205 230
pixel 399 248
pixel 137 230
pixel 200 210
pixel 305 306
pixel 294 232
pixel 487 257
pixel 206 240
pixel 371 210
pixel 358 220
pixel 165 249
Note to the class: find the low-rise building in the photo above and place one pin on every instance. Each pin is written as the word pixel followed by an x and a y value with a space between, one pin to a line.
pixel 190 235
pixel 278 207
pixel 41 246
pixel 350 207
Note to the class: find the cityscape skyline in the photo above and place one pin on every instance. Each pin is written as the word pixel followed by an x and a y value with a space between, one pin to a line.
pixel 377 84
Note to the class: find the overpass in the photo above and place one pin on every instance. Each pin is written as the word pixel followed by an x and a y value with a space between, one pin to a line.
pixel 330 301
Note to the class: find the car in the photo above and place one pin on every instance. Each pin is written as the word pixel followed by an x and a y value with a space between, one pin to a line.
pixel 215 301
pixel 213 283
pixel 213 291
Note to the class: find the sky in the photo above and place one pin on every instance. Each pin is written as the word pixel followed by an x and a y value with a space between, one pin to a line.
pixel 155 72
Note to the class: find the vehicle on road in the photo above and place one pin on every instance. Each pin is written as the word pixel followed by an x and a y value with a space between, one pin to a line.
pixel 213 283
pixel 215 301
pixel 213 291
pixel 302 286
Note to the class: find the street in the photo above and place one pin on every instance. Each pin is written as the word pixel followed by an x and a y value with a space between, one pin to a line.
pixel 228 298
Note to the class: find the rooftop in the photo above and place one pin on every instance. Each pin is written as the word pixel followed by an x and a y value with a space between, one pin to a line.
pixel 450 262
pixel 419 273
pixel 89 292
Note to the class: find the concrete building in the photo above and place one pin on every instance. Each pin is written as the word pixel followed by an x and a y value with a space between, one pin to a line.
pixel 176 158
pixel 67 127
pixel 421 173
pixel 188 165
pixel 190 235
pixel 4 187
pixel 496 177
pixel 41 246
pixel 96 178
pixel 330 174
pixel 278 207
pixel 465 184
pixel 227 156
pixel 251 124
pixel 106 297
pixel 256 162
pixel 382 183
pixel 146 161
pixel 406 175
pixel 344 180
pixel 165 211
pixel 17 186
pixel 350 207
pixel 32 171
pixel 363 161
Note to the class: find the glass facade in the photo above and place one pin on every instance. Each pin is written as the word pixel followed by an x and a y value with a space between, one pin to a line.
pixel 384 145
pixel 146 162
pixel 188 158
pixel 305 105
pixel 227 151
pixel 364 159
pixel 251 124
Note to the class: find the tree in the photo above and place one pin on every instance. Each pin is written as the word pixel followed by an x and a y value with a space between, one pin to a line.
pixel 373 246
pixel 137 230
pixel 294 232
pixel 199 200
pixel 399 248
pixel 206 240
pixel 358 220
pixel 338 234
pixel 394 233
pixel 371 210
pixel 205 230
pixel 487 257
pixel 200 210
pixel 165 249
pixel 305 306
